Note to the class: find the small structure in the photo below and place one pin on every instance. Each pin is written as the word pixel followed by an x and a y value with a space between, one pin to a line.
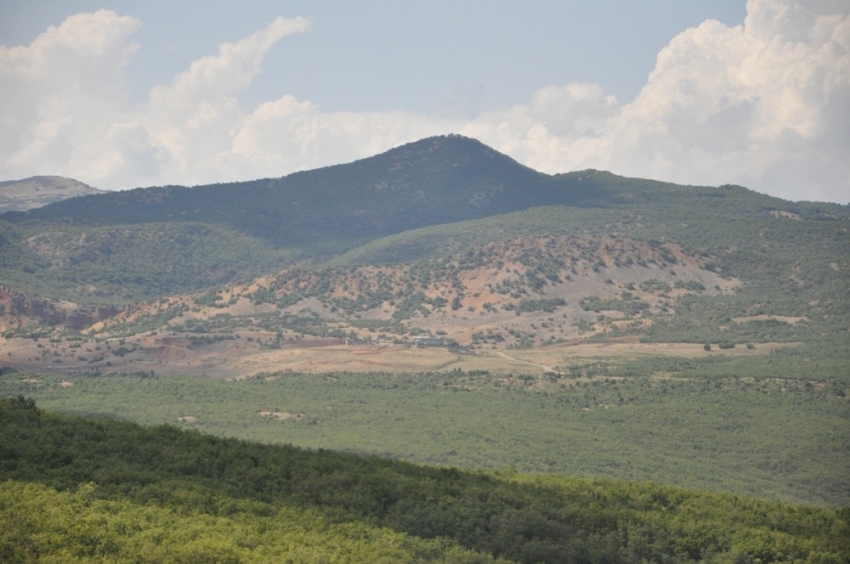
pixel 428 341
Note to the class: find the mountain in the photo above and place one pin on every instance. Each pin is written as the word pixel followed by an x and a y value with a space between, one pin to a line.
pixel 38 191
pixel 433 181
pixel 143 243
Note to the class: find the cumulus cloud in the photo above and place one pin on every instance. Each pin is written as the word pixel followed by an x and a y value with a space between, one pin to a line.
pixel 65 109
pixel 290 135
pixel 54 91
pixel 194 118
pixel 765 104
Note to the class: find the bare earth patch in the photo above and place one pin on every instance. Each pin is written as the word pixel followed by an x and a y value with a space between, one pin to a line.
pixel 237 358
pixel 281 415
pixel 765 317
pixel 785 214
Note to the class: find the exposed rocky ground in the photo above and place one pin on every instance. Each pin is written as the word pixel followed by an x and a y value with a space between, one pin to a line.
pixel 515 294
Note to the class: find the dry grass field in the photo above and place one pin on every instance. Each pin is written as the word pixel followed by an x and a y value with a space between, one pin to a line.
pixel 242 356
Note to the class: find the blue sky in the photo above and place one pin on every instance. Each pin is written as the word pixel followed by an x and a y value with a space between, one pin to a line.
pixel 367 56
pixel 123 94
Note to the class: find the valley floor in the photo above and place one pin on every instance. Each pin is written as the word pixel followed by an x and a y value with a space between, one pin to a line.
pixel 244 355
pixel 714 420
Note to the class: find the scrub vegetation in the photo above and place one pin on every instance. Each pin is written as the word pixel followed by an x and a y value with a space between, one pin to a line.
pixel 99 489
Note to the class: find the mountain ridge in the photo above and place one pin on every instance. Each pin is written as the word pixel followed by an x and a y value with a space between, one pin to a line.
pixel 432 181
pixel 427 199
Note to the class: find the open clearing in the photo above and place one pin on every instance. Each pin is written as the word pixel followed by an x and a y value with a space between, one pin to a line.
pixel 238 358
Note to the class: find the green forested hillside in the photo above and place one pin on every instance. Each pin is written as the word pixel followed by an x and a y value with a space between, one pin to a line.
pixel 41 524
pixel 123 263
pixel 433 181
pixel 100 246
pixel 102 489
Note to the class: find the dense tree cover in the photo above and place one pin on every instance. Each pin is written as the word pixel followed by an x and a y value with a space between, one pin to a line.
pixel 433 181
pixel 121 263
pixel 720 423
pixel 40 524
pixel 183 474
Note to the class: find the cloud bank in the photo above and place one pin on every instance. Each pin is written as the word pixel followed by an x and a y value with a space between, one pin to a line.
pixel 765 105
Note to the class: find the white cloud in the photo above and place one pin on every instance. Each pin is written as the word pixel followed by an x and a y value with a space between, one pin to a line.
pixel 765 104
pixel 57 92
pixel 196 116
pixel 290 135
pixel 65 109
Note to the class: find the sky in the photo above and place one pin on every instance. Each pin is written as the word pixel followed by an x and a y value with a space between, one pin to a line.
pixel 121 94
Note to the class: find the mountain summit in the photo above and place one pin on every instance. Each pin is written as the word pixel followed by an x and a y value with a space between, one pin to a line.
pixel 432 181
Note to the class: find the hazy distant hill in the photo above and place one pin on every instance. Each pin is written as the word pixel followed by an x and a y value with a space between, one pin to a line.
pixel 38 191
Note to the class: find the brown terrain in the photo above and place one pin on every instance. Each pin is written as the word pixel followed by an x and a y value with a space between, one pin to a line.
pixel 238 359
pixel 525 304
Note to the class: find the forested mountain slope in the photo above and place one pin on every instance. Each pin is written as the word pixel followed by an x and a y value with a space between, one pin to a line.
pixel 683 313
pixel 433 181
